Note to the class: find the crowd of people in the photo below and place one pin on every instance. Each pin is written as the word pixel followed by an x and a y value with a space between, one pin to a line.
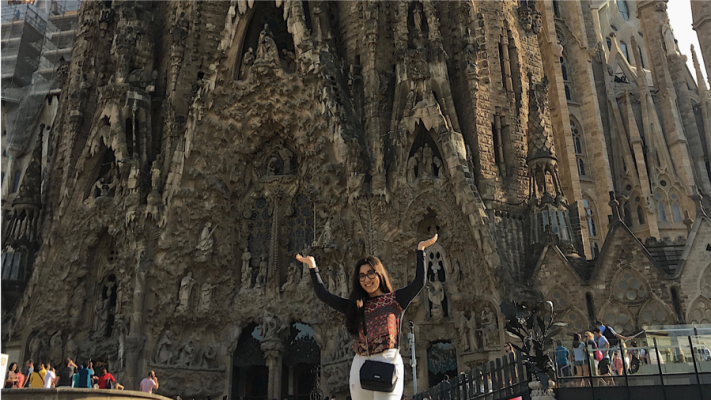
pixel 601 353
pixel 44 375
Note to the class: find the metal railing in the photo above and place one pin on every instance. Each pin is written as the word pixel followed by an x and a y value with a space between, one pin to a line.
pixel 501 379
pixel 665 363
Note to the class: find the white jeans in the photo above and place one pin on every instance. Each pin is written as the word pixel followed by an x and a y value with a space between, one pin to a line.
pixel 390 356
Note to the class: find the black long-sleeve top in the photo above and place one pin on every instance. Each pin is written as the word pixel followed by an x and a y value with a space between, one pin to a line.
pixel 379 330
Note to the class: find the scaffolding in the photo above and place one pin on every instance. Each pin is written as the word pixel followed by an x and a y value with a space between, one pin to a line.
pixel 36 35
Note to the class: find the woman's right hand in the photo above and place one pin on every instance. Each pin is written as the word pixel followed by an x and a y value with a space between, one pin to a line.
pixel 308 260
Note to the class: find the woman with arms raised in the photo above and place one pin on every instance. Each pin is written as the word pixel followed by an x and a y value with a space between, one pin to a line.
pixel 373 314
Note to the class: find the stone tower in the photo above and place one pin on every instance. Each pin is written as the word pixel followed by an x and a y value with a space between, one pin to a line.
pixel 200 145
pixel 701 12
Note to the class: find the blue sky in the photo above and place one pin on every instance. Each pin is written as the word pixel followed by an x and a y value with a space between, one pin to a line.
pixel 681 21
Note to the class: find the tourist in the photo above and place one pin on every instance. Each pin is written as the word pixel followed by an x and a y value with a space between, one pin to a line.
pixel 591 347
pixel 86 376
pixel 374 324
pixel 562 359
pixel 11 380
pixel 65 374
pixel 616 363
pixel 21 379
pixel 50 378
pixel 149 383
pixel 603 366
pixel 612 337
pixel 37 378
pixel 107 381
pixel 29 369
pixel 581 360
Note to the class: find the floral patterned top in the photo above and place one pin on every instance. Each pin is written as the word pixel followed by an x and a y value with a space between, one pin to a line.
pixel 379 329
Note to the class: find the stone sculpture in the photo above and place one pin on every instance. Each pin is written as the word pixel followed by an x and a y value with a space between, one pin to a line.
pixel 205 296
pixel 435 293
pixel 262 274
pixel 163 352
pixel 246 268
pixel 489 328
pixel 186 289
pixel 267 51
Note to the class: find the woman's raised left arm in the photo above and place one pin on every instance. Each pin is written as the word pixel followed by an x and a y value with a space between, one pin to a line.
pixel 405 295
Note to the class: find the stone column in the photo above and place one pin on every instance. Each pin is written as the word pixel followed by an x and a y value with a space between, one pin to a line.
pixel 273 352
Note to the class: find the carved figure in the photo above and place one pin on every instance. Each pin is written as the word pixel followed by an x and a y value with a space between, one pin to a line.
pixel 537 23
pixel 669 41
pixel 289 60
pixel 438 163
pixel 272 166
pixel 411 164
pixel 206 357
pixel 471 325
pixel 246 269
pixel 270 327
pixel 426 164
pixel 247 62
pixel 286 156
pixel 205 296
pixel 262 274
pixel 163 353
pixel 205 243
pixel 186 288
pixel 186 353
pixel 37 345
pixel 267 51
pixel 78 300
pixel 292 278
pixel 489 328
pixel 101 314
pixel 435 293
pixel 463 334
pixel 326 237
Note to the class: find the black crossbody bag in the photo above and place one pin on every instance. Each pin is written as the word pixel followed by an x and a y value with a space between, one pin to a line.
pixel 378 376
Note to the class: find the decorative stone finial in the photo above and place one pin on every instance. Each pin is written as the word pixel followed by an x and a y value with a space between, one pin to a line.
pixel 614 206
pixel 687 221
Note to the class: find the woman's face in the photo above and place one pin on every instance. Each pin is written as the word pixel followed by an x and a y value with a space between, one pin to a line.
pixel 369 280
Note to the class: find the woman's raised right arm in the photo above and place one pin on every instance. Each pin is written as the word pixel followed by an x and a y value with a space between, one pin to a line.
pixel 338 303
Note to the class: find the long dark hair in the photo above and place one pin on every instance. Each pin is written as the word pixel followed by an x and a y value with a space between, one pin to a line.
pixel 359 295
pixel 576 340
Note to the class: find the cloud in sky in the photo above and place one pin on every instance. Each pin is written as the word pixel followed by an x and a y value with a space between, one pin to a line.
pixel 681 21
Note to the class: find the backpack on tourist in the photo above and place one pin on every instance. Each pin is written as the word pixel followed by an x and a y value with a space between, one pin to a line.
pixel 611 338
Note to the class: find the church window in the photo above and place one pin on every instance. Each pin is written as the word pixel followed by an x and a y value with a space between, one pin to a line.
pixel 576 137
pixel 568 95
pixel 16 181
pixel 556 8
pixel 596 250
pixel 641 57
pixel 590 216
pixel 581 167
pixel 623 47
pixel 676 212
pixel 628 214
pixel 640 215
pixel 609 43
pixel 578 145
pixel 565 72
pixel 624 11
pixel 662 214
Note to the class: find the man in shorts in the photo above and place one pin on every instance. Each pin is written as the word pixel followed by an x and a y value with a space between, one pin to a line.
pixel 603 367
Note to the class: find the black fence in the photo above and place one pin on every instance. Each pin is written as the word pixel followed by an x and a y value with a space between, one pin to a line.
pixel 668 369
pixel 502 379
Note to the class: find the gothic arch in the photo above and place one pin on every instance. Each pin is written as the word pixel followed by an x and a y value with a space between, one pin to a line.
pixel 250 26
pixel 654 312
pixel 629 286
pixel 618 316
pixel 700 311
pixel 560 298
pixel 575 321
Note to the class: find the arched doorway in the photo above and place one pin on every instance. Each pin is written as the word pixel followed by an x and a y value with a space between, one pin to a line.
pixel 298 362
pixel 250 375
pixel 441 361
pixel 302 357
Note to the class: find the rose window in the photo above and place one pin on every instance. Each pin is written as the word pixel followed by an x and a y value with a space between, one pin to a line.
pixel 619 318
pixel 630 288
pixel 706 282
pixel 654 314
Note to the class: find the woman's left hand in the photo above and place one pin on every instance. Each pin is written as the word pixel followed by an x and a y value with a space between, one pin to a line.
pixel 427 243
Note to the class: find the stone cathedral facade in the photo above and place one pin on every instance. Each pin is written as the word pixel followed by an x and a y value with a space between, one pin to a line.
pixel 559 148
